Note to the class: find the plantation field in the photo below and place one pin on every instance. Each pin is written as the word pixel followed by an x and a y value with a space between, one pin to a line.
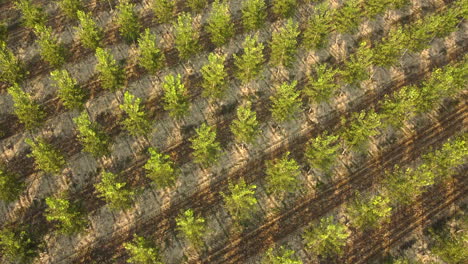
pixel 234 131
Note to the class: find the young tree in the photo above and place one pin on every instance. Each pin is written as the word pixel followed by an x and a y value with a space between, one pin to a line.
pixel 163 10
pixel 142 251
pixel 196 5
pixel 11 70
pixel 70 7
pixel 219 25
pixel 116 194
pixel 186 37
pixel 69 91
pixel 284 8
pixel 355 67
pixel 387 52
pixel 450 247
pixel 253 14
pixel 369 212
pixel 284 44
pixel 206 150
pixel 127 20
pixel 160 169
pixel 88 32
pixel 322 151
pixel 363 126
pixel 192 227
pixel 347 18
pixel 401 107
pixel 318 27
pixel 402 185
pixel 245 128
pixel 111 74
pixel 94 140
pixel 10 186
pixel 70 219
pixel 17 245
pixel 241 201
pixel 281 256
pixel 282 175
pixel 28 112
pixel 136 122
pixel 32 14
pixel 372 8
pixel 286 102
pixel 327 238
pixel 46 157
pixel 51 50
pixel 214 77
pixel 176 98
pixel 150 56
pixel 321 86
pixel 249 64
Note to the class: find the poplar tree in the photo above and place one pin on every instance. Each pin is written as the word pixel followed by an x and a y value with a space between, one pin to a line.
pixel 127 20
pixel 69 92
pixel 150 56
pixel 17 244
pixel 115 192
pixel 241 201
pixel 196 5
pixel 160 169
pixel 322 151
pixel 176 99
pixel 10 185
pixel 30 113
pixel 245 127
pixel 253 14
pixel 206 149
pixel 355 67
pixel 321 85
pixel 136 122
pixel 46 157
pixel 318 27
pixel 214 77
pixel 11 69
pixel 369 212
pixel 94 140
pixel 347 18
pixel 282 175
pixel 32 14
pixel 284 8
pixel 284 44
pixel 286 102
pixel 186 37
pixel 88 32
pixel 219 21
pixel 249 64
pixel 51 50
pixel 70 219
pixel 110 73
pixel 70 7
pixel 327 238
pixel 280 256
pixel 363 126
pixel 142 251
pixel 163 10
pixel 192 227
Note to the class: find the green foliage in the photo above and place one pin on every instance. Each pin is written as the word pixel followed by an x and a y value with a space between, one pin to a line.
pixel 282 175
pixel 89 33
pixel 46 157
pixel 355 68
pixel 32 14
pixel 347 18
pixel 241 201
pixel 127 20
pixel 206 150
pixel 69 91
pixel 70 219
pixel 403 185
pixel 219 25
pixel 363 126
pixel 142 251
pixel 51 50
pixel 249 64
pixel 3 31
pixel 10 186
pixel 196 5
pixel 110 73
pixel 160 169
pixel 253 14
pixel 136 122
pixel 451 247
pixel 246 127
pixel 163 10
pixel 321 86
pixel 116 194
pixel 150 56
pixel 281 256
pixel 70 7
pixel 11 70
pixel 318 28
pixel 94 140
pixel 186 37
pixel 28 112
pixel 286 103
pixel 388 51
pixel 192 227
pixel 372 8
pixel 284 44
pixel 284 8
pixel 327 238
pixel 369 212
pixel 17 245
pixel 176 98
pixel 401 107
pixel 322 151
pixel 214 76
